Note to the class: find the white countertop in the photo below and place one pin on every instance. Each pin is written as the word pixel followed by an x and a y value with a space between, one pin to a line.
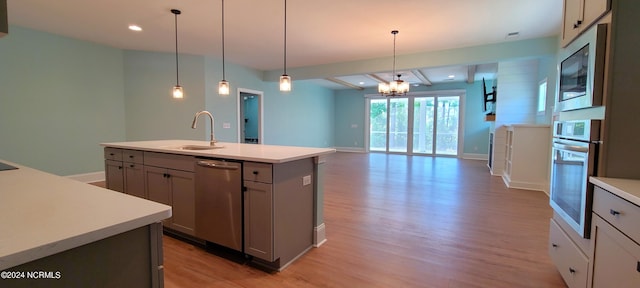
pixel 237 151
pixel 628 189
pixel 43 214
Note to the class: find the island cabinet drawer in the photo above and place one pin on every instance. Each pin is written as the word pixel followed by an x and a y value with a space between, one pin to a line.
pixel 113 154
pixel 133 156
pixel 620 213
pixel 171 161
pixel 572 264
pixel 258 172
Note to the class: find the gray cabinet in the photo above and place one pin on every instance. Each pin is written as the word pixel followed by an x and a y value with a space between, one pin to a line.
pixel 616 234
pixel 169 179
pixel 258 220
pixel 132 161
pixel 278 211
pixel 124 171
pixel 114 175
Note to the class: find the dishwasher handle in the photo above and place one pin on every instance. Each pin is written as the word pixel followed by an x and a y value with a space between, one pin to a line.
pixel 217 165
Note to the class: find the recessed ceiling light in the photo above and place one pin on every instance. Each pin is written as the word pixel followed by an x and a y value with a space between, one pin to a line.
pixel 361 83
pixel 452 76
pixel 134 27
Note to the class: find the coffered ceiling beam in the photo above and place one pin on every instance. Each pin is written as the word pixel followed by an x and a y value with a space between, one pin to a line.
pixel 471 73
pixel 344 83
pixel 422 77
pixel 376 78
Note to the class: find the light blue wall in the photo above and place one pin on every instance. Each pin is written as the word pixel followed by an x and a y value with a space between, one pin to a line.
pixel 60 98
pixel 302 117
pixel 351 105
pixel 225 108
pixel 251 115
pixel 151 112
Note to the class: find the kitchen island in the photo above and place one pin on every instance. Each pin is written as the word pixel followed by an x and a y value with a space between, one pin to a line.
pixel 280 214
pixel 57 232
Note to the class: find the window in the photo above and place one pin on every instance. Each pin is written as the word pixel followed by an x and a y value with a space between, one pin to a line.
pixel 542 97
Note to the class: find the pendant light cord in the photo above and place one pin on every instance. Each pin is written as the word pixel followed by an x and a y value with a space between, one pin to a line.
pixel 176 12
pixel 285 37
pixel 394 32
pixel 223 74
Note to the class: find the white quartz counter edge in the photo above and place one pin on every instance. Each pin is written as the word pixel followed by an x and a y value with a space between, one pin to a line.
pixel 44 214
pixel 236 151
pixel 627 189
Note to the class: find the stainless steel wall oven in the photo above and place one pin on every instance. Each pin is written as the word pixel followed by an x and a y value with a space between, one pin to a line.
pixel 573 160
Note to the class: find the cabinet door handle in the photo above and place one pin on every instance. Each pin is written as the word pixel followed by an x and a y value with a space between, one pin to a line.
pixel 119 167
pixel 255 172
pixel 132 165
pixel 577 24
pixel 614 212
pixel 638 267
pixel 554 245
pixel 572 271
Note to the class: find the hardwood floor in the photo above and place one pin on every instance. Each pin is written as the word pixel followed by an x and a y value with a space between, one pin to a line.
pixel 399 221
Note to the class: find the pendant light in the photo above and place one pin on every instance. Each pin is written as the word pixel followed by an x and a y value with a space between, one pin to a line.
pixel 285 80
pixel 395 87
pixel 178 93
pixel 223 86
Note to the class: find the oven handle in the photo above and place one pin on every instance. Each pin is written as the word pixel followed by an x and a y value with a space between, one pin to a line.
pixel 574 148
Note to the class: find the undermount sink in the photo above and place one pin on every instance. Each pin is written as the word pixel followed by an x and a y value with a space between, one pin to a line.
pixel 196 147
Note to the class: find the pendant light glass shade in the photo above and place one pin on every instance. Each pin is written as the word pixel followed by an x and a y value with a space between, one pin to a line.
pixel 285 80
pixel 177 92
pixel 223 87
pixel 285 83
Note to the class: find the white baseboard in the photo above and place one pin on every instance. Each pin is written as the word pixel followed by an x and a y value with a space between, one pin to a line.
pixel 88 177
pixel 473 156
pixel 524 185
pixel 350 149
pixel 319 236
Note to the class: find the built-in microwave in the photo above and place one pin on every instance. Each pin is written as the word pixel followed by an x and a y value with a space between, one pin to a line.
pixel 581 70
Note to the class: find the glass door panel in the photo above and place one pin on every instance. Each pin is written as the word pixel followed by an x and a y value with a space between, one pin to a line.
pixel 447 125
pixel 378 125
pixel 398 124
pixel 423 115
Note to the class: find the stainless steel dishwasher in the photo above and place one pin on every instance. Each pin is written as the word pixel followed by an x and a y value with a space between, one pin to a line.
pixel 219 202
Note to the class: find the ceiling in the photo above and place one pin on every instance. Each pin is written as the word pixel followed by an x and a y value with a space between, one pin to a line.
pixel 318 32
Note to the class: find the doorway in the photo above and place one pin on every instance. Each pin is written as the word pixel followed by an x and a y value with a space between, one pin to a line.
pixel 250 116
pixel 424 123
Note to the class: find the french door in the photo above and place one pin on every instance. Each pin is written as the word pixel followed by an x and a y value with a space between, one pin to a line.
pixel 423 124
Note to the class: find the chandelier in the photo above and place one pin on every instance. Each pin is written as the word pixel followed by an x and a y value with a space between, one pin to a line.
pixel 396 87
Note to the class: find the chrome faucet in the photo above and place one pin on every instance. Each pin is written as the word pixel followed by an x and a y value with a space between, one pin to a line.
pixel 195 121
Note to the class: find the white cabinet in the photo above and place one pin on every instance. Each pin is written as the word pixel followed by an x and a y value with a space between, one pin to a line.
pixel 572 264
pixel 579 15
pixel 527 155
pixel 616 234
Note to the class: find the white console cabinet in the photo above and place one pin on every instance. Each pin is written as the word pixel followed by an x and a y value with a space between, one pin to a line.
pixel 527 157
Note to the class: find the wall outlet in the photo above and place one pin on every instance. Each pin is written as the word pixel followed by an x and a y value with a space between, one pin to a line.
pixel 226 125
pixel 354 125
pixel 306 180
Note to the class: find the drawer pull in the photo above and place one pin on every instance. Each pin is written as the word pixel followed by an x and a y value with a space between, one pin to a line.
pixel 614 212
pixel 255 172
pixel 554 245
pixel 572 271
